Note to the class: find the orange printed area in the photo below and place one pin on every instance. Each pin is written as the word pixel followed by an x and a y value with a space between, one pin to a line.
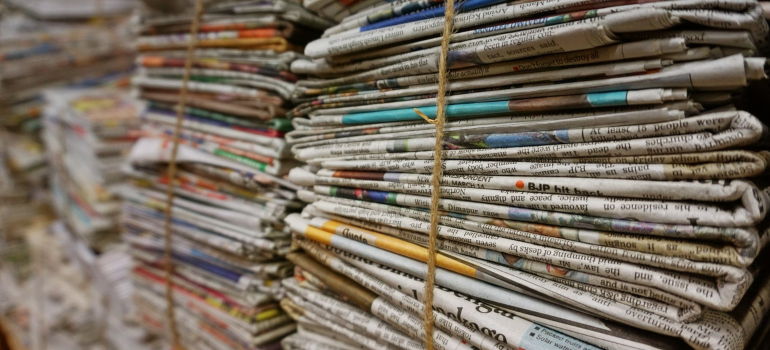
pixel 404 248
pixel 152 61
pixel 319 235
pixel 258 33
pixel 330 226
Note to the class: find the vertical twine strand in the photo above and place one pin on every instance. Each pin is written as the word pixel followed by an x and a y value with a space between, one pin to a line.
pixel 171 174
pixel 99 13
pixel 437 169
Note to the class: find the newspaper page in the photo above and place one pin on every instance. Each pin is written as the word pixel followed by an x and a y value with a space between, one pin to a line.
pixel 381 257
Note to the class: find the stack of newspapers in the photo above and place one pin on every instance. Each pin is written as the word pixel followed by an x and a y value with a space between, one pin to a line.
pixel 599 185
pixel 34 55
pixel 74 299
pixel 103 280
pixel 88 133
pixel 231 191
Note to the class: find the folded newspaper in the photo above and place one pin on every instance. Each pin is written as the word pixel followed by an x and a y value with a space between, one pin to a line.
pixel 598 181
pixel 231 189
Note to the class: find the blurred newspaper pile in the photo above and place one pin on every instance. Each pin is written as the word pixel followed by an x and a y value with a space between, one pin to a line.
pixel 88 133
pixel 598 180
pixel 35 55
pixel 231 193
pixel 74 299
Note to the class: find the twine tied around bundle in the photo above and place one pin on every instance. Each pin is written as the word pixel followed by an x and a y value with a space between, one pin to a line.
pixel 435 182
pixel 171 175
pixel 438 161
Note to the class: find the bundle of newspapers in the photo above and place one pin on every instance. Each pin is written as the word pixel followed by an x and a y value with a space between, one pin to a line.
pixel 35 55
pixel 88 133
pixel 599 184
pixel 108 291
pixel 230 189
pixel 74 299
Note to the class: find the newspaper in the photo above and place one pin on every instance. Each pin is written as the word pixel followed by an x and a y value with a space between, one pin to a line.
pixel 707 132
pixel 747 244
pixel 298 341
pixel 64 127
pixel 228 239
pixel 676 213
pixel 476 248
pixel 744 240
pixel 714 191
pixel 156 150
pixel 355 40
pixel 652 113
pixel 639 99
pixel 634 50
pixel 241 59
pixel 392 304
pixel 475 311
pixel 685 166
pixel 666 326
pixel 594 160
pixel 417 83
pixel 688 310
pixel 369 323
pixel 678 12
pixel 75 296
pixel 571 261
pixel 262 108
pixel 599 189
pixel 735 71
pixel 87 132
pixel 551 41
pixel 598 163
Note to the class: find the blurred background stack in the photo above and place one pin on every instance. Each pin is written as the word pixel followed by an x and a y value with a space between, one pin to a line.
pixel 74 299
pixel 42 46
pixel 61 287
pixel 87 135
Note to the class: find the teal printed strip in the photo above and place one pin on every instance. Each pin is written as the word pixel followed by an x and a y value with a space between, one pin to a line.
pixel 599 99
pixel 408 114
pixel 607 99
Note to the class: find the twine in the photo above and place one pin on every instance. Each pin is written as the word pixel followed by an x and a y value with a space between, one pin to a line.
pixel 438 161
pixel 99 18
pixel 171 174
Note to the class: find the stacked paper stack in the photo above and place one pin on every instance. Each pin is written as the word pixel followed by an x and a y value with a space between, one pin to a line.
pixel 88 134
pixel 55 10
pixel 592 160
pixel 231 195
pixel 35 55
pixel 19 292
pixel 74 299
pixel 110 311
